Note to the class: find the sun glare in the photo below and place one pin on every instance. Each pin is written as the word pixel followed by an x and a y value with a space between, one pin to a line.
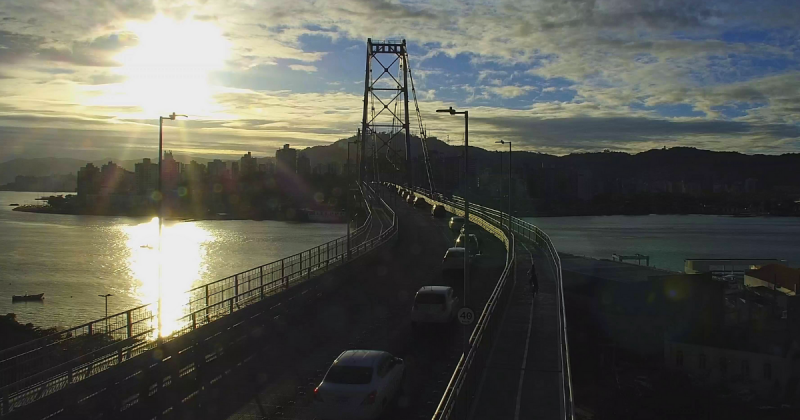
pixel 169 68
pixel 182 266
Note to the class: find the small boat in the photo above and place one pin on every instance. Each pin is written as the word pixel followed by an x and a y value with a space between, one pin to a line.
pixel 27 298
pixel 14 205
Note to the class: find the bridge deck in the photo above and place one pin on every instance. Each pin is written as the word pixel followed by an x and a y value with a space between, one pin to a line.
pixel 522 378
pixel 372 311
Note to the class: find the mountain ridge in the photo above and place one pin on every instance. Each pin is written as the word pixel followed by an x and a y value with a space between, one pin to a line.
pixel 676 162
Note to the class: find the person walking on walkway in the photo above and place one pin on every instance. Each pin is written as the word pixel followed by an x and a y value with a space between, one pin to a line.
pixel 533 280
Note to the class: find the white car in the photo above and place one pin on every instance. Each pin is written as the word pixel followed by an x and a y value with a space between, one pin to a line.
pixel 434 304
pixel 359 385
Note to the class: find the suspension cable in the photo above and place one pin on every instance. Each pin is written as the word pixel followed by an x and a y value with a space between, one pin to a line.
pixel 423 135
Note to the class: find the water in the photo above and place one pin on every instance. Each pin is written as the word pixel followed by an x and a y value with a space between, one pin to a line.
pixel 73 259
pixel 668 240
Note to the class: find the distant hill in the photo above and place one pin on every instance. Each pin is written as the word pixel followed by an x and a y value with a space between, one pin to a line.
pixel 337 151
pixel 689 164
pixel 678 164
pixel 38 167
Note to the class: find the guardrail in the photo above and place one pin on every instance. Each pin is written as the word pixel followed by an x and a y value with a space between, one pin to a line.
pixel 457 395
pixel 38 368
pixel 530 232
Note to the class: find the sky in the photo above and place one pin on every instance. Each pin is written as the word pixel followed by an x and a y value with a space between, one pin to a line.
pixel 89 78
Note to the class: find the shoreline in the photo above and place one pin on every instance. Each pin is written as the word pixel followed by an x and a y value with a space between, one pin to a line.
pixel 47 209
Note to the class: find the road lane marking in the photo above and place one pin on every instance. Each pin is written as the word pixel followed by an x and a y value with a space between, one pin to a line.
pixel 527 344
pixel 494 346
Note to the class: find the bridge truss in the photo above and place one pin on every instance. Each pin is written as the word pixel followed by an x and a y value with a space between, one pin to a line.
pixel 385 126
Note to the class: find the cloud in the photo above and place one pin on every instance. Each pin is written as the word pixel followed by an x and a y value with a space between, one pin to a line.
pixel 510 91
pixel 633 133
pixel 301 67
pixel 488 74
pixel 106 78
pixel 627 72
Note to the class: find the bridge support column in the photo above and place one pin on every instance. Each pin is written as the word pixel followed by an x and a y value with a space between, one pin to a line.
pixel 130 324
pixel 207 317
pixel 261 281
pixel 236 288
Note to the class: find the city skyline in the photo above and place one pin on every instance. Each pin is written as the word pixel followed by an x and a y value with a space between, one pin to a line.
pixel 553 77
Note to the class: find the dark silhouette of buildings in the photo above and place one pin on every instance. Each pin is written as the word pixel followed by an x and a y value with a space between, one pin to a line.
pixel 216 169
pixel 146 174
pixel 89 180
pixel 286 160
pixel 247 165
pixel 303 166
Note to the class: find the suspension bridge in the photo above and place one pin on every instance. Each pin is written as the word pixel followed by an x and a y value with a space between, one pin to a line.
pixel 255 344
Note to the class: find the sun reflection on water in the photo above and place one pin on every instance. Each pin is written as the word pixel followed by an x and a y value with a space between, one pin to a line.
pixel 184 263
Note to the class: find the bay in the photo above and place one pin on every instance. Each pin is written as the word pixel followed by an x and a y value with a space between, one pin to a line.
pixel 73 259
pixel 670 239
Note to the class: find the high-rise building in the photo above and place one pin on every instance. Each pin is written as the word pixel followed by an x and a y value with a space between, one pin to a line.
pixel 286 160
pixel 216 168
pixel 171 172
pixel 194 171
pixel 247 164
pixel 235 170
pixel 146 174
pixel 114 180
pixel 303 165
pixel 88 180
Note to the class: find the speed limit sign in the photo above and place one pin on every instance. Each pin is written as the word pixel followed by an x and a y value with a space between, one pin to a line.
pixel 466 316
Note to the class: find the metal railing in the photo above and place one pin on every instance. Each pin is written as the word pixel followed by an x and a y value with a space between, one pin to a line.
pixel 38 368
pixel 459 391
pixel 529 232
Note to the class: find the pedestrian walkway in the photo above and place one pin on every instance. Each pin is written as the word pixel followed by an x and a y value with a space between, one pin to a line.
pixel 522 377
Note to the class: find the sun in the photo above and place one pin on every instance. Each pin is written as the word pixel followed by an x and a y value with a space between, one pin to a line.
pixel 169 68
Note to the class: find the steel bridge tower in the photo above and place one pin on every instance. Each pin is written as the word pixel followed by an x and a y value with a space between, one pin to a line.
pixel 382 122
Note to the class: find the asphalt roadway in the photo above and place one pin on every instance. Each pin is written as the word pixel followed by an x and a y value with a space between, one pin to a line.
pixel 370 310
pixel 522 378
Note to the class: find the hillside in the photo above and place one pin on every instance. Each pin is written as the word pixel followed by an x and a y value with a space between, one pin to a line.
pixel 678 164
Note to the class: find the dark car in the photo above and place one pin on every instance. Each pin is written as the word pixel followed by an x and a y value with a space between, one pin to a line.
pixel 474 246
pixel 456 223
pixel 438 210
pixel 421 203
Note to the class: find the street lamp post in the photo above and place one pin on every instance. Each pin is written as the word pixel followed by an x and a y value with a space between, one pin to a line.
pixel 161 119
pixel 509 181
pixel 452 111
pixel 106 297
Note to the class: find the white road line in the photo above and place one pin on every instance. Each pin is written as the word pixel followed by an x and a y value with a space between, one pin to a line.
pixel 527 343
pixel 494 345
